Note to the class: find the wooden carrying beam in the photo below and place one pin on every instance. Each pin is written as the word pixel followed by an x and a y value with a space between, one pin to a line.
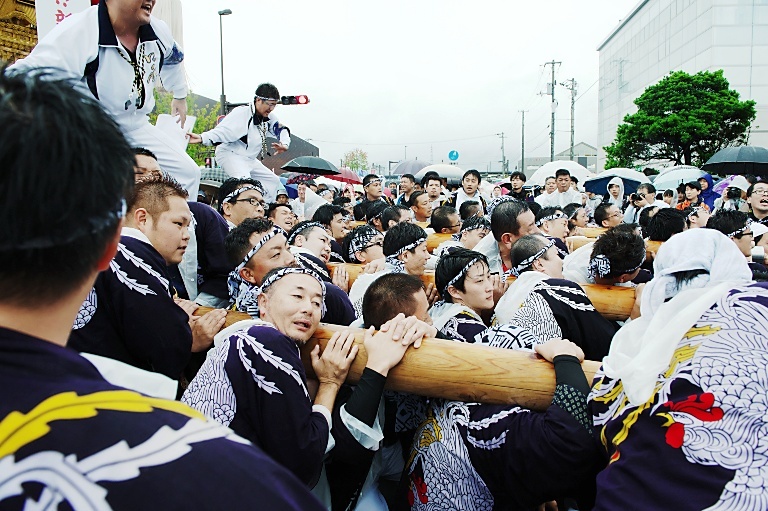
pixel 453 370
pixel 435 239
pixel 613 302
pixel 593 232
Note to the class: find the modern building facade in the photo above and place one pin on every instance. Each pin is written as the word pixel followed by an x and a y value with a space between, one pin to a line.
pixel 660 36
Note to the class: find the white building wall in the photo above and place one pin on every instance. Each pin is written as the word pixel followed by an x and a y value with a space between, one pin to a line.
pixel 660 36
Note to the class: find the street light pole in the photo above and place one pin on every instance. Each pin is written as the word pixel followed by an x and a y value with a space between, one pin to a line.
pixel 223 99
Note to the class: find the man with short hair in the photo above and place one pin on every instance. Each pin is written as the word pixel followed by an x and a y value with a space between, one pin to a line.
pixel 93 444
pixel 241 139
pixel 255 247
pixel 614 259
pixel 407 185
pixel 130 314
pixel 445 220
pixel 117 52
pixel 421 207
pixel 469 190
pixel 757 197
pixel 550 187
pixel 146 163
pixel 517 180
pixel 393 215
pixel 432 185
pixel 608 215
pixel 281 215
pixel 297 204
pixel 255 383
pixel 363 245
pixel 373 188
pixel 332 218
pixel 564 194
pixel 240 198
pixel 469 209
pixel 644 198
pixel 511 219
pixel 282 196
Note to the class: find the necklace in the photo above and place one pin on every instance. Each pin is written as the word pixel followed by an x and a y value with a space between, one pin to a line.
pixel 137 88
pixel 263 132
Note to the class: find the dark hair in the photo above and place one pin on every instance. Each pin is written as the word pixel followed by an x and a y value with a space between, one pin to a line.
pixel 430 176
pixel 392 213
pixel 274 206
pixel 401 235
pixel 325 213
pixel 665 224
pixel 82 174
pixel 357 231
pixel 574 180
pixel 143 151
pixel 519 174
pixel 727 221
pixel 232 184
pixel 474 220
pixel 645 216
pixel 570 211
pixel 468 209
pixel 441 218
pixel 669 193
pixel 505 217
pixel 267 90
pixel 370 177
pixel 548 211
pixel 373 208
pixel 303 228
pixel 237 243
pixel 648 187
pixel 526 247
pixel 388 296
pixel 623 247
pixel 450 265
pixel 473 172
pixel 535 207
pixel 409 177
pixel 414 197
pixel 152 192
pixel 341 201
pixel 562 172
pixel 693 184
pixel 601 212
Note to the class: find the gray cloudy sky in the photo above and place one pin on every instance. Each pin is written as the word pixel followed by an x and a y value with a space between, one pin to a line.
pixel 432 75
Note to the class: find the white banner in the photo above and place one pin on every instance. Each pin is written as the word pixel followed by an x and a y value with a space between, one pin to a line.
pixel 51 12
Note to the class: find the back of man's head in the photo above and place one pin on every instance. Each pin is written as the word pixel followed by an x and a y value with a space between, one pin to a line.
pixel 727 221
pixel 468 208
pixel 665 223
pixel 505 218
pixel 237 243
pixel 623 247
pixel 152 193
pixel 70 193
pixel 324 214
pixel 527 247
pixel 390 295
pixel 441 218
pixel 402 235
pixel 601 213
pixel 393 214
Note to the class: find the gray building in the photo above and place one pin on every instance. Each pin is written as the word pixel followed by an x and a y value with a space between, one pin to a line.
pixel 659 36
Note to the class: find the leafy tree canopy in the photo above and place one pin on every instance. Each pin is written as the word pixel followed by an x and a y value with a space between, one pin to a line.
pixel 356 160
pixel 684 119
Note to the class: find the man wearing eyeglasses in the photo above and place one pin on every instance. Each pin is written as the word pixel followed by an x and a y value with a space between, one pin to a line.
pixel 757 197
pixel 644 198
pixel 240 199
pixel 241 139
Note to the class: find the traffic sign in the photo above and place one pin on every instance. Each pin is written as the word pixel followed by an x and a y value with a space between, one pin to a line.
pixel 453 155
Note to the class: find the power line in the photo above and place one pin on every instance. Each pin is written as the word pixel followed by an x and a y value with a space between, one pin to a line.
pixel 399 143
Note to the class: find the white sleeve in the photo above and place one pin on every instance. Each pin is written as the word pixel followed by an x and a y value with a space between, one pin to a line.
pixel 172 75
pixel 232 128
pixel 322 410
pixel 369 437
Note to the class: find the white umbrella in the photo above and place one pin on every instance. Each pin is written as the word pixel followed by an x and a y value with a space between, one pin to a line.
pixel 450 172
pixel 673 176
pixel 580 172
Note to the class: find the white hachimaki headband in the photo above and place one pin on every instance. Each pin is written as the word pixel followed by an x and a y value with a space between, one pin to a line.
pixel 600 266
pixel 555 216
pixel 294 270
pixel 739 231
pixel 525 263
pixel 397 263
pixel 234 194
pixel 462 273
pixel 234 279
pixel 361 238
pixel 480 223
pixel 495 202
pixel 305 227
pixel 377 178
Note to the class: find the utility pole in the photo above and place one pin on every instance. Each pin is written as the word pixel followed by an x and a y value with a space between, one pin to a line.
pixel 522 159
pixel 571 86
pixel 504 163
pixel 554 106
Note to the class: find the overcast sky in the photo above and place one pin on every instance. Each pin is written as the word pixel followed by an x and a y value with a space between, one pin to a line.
pixel 432 75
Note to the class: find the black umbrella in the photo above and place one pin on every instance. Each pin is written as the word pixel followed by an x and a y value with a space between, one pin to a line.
pixel 738 160
pixel 311 165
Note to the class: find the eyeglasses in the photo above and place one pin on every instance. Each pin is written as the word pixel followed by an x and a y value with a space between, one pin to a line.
pixel 374 244
pixel 252 201
pixel 615 215
pixel 761 191
pixel 742 234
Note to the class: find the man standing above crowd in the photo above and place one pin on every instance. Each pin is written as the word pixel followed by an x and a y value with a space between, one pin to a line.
pixel 432 184
pixel 550 186
pixel 407 185
pixel 470 190
pixel 564 194
pixel 517 180
pixel 241 138
pixel 120 52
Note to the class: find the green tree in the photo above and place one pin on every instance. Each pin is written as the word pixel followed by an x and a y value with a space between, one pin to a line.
pixel 355 160
pixel 684 119
pixel 206 120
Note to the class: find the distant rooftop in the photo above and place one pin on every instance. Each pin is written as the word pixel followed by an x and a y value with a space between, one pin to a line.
pixel 622 23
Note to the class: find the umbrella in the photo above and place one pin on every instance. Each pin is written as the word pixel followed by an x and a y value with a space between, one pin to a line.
pixel 451 173
pixel 292 178
pixel 346 176
pixel 670 178
pixel 738 160
pixel 721 185
pixel 631 178
pixel 580 172
pixel 409 167
pixel 311 165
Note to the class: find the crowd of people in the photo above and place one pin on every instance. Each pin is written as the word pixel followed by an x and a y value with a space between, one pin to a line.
pixel 126 387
